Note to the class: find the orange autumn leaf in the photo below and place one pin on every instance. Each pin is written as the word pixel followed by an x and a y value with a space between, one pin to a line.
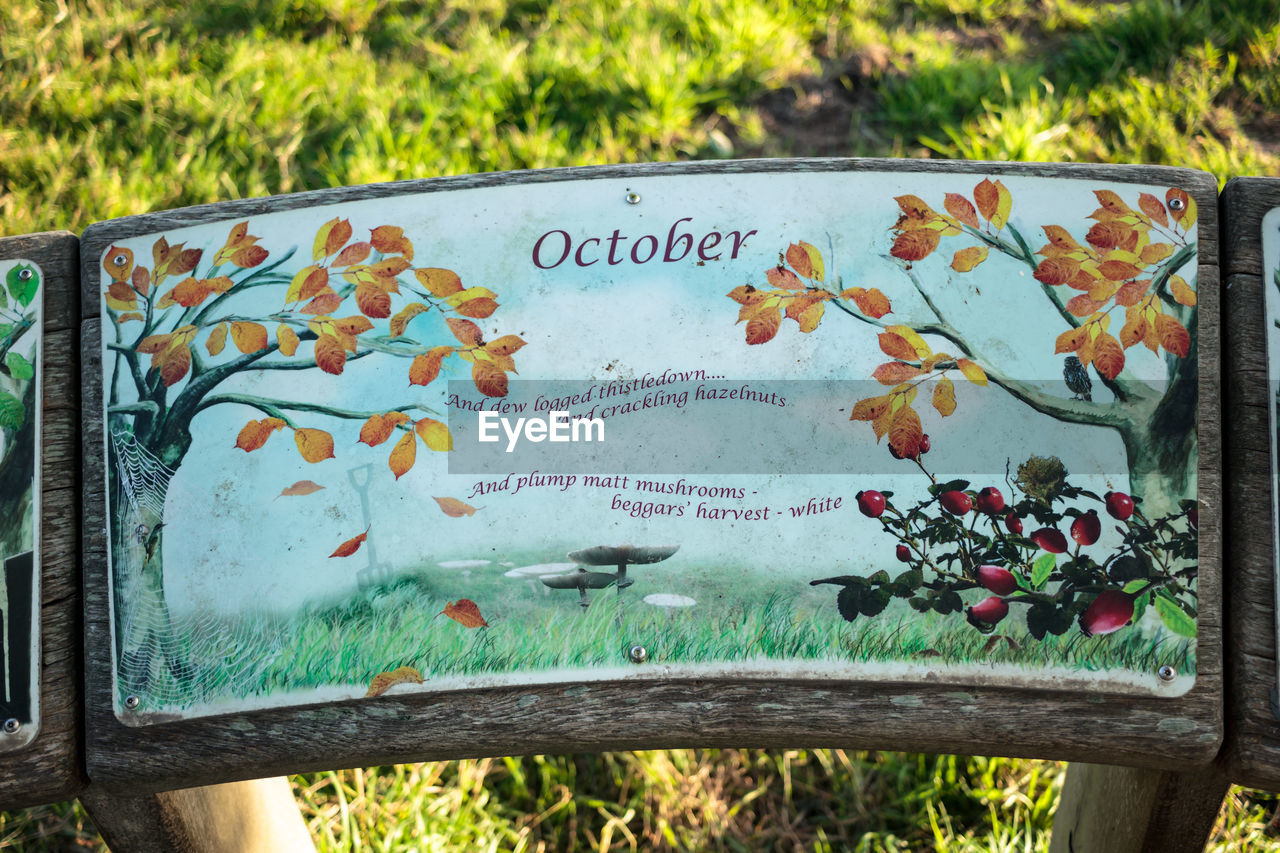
pixel 1118 270
pixel 905 433
pixel 346 549
pixel 782 278
pixel 915 245
pixel 286 339
pixel 1154 208
pixel 806 260
pixel 478 308
pixel 961 208
pixel 384 681
pixel 403 455
pixel 1134 329
pixel 129 316
pixel 1056 271
pixel 944 396
pixel 763 325
pixel 1083 306
pixel 121 297
pixel 1112 203
pixel 869 409
pixel 175 365
pixel 1182 291
pixel 390 240
pixel 434 434
pixel 871 302
pixel 400 321
pixel 300 488
pixel 353 254
pixel 315 445
pixel 971 371
pixel 455 508
pixel 373 301
pixel 1061 239
pixel 894 373
pixel 1173 335
pixel 1181 206
pixel 505 345
pixel 465 331
pixel 465 612
pixel 1132 291
pixel 330 354
pixel 994 202
pixel 118 263
pixel 1070 340
pixel 426 367
pixel 331 237
pixel 217 339
pixel 441 282
pixel 965 260
pixel 141 279
pixel 325 303
pixel 378 428
pixel 248 337
pixel 1108 235
pixel 896 346
pixel 254 434
pixel 1108 356
pixel 307 282
pixel 489 379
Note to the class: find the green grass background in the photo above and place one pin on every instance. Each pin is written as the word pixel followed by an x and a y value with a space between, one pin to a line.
pixel 109 108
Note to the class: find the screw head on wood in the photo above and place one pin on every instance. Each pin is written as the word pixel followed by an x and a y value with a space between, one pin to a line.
pixel 131 702
pixel 1176 204
pixel 119 260
pixel 1167 673
pixel 12 725
pixel 633 197
pixel 639 654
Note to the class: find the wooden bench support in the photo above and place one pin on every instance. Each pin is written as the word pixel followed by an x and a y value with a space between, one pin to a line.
pixel 259 814
pixel 1127 809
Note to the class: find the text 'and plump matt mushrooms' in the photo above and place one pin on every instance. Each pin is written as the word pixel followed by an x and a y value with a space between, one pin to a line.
pixel 581 580
pixel 623 556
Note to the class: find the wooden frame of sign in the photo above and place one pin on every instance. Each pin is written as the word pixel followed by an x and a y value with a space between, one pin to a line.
pixel 48 767
pixel 417 723
pixel 1252 754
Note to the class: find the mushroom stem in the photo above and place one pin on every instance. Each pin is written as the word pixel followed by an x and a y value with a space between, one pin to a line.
pixel 582 591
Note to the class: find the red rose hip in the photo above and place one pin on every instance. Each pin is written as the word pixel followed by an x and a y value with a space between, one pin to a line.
pixel 904 553
pixel 990 501
pixel 989 610
pixel 1014 523
pixel 956 503
pixel 1110 611
pixel 870 503
pixel 1119 505
pixel 1050 540
pixel 1087 528
pixel 924 443
pixel 998 580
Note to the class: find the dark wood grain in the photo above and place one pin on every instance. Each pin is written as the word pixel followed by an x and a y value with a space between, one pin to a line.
pixel 1252 753
pixel 930 716
pixel 50 768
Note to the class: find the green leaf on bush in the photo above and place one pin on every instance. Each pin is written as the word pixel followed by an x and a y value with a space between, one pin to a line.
pixel 22 291
pixel 849 602
pixel 6 329
pixel 1140 606
pixel 12 412
pixel 1133 586
pixel 873 602
pixel 1173 617
pixel 19 367
pixel 1041 569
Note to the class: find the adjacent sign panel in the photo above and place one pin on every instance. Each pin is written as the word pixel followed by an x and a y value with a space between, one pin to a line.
pixel 21 300
pixel 1271 287
pixel 842 426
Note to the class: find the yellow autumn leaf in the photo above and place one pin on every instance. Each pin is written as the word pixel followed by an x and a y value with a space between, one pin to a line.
pixel 944 396
pixel 434 434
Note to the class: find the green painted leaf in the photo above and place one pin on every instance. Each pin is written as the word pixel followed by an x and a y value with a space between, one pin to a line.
pixel 6 329
pixel 1173 617
pixel 19 367
pixel 1140 606
pixel 1133 586
pixel 12 412
pixel 1042 568
pixel 23 291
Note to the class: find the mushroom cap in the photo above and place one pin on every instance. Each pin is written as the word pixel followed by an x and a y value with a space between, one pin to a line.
pixel 669 599
pixel 631 555
pixel 541 570
pixel 580 580
pixel 463 564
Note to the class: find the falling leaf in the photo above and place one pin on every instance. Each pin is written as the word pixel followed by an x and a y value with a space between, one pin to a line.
pixel 315 445
pixel 434 434
pixel 441 282
pixel 346 549
pixel 465 612
pixel 302 487
pixel 403 455
pixel 455 508
pixel 966 259
pixel 378 428
pixel 944 396
pixel 254 434
pixel 384 681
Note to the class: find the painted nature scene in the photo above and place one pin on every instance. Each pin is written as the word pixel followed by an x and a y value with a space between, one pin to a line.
pixel 1006 492
pixel 21 302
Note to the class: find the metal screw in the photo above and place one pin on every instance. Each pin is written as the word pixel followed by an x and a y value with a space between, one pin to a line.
pixel 633 197
pixel 1167 673
pixel 639 654
pixel 25 275
pixel 131 702
pixel 12 725
pixel 119 260
pixel 1176 204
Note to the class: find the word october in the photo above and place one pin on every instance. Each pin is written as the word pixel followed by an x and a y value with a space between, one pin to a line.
pixel 556 246
pixel 557 426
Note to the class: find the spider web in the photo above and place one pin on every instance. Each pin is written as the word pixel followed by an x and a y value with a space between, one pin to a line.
pixel 196 657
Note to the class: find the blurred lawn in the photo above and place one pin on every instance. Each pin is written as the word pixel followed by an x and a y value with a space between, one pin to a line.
pixel 109 108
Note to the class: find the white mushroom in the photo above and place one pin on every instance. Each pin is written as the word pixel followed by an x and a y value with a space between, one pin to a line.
pixel 463 564
pixel 669 599
pixel 540 570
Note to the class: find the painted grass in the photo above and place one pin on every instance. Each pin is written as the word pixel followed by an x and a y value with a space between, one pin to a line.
pixel 348 642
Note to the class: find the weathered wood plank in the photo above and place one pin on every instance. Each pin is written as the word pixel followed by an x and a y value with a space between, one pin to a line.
pixel 236 817
pixel 1147 732
pixel 1252 749
pixel 1131 810
pixel 50 768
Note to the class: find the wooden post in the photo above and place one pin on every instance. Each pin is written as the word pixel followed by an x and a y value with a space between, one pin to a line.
pixel 234 817
pixel 1132 810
